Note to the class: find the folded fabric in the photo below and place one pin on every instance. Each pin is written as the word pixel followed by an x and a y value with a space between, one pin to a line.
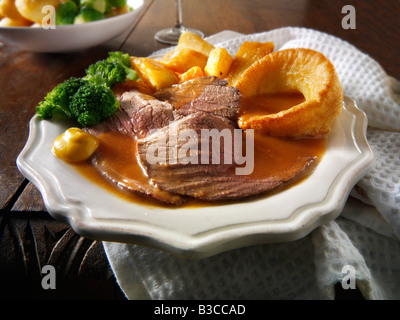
pixel 366 237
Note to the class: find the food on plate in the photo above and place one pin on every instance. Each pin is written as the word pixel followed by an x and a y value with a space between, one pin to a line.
pixel 189 40
pixel 30 12
pixel 192 73
pixel 248 53
pixel 177 130
pixel 181 60
pixel 154 73
pixel 75 145
pixel 205 94
pixel 89 100
pixel 218 63
pixel 143 121
pixel 300 70
pixel 81 100
pixel 112 70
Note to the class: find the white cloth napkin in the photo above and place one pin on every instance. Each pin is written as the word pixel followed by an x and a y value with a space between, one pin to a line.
pixel 365 237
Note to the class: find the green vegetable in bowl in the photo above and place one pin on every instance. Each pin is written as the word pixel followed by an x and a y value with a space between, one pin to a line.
pixel 66 13
pixel 116 3
pixel 82 11
pixel 99 5
pixel 88 14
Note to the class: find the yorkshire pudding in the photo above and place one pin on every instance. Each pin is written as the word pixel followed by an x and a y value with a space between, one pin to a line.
pixel 294 70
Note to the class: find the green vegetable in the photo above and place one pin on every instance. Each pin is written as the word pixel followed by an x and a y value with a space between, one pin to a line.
pixel 59 98
pixel 114 69
pixel 93 103
pixel 88 14
pixel 105 73
pixel 89 100
pixel 99 5
pixel 81 11
pixel 116 3
pixel 124 60
pixel 66 13
pixel 88 104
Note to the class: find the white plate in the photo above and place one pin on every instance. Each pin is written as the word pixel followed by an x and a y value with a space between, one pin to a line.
pixel 71 37
pixel 199 232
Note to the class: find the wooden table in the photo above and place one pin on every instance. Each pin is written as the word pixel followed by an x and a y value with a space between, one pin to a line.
pixel 29 237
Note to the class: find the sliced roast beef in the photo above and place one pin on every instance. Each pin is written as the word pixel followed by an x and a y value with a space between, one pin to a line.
pixel 211 181
pixel 146 113
pixel 137 115
pixel 177 159
pixel 137 186
pixel 206 94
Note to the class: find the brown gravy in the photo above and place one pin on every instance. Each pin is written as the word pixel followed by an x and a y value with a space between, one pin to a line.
pixel 269 103
pixel 271 154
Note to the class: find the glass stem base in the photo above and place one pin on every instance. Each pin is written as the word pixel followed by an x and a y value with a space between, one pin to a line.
pixel 171 35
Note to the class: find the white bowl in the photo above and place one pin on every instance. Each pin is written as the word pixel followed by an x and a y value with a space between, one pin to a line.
pixel 71 37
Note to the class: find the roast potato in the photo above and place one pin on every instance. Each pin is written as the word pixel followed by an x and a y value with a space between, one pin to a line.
pixel 248 53
pixel 154 73
pixel 189 40
pixel 181 60
pixel 195 72
pixel 218 63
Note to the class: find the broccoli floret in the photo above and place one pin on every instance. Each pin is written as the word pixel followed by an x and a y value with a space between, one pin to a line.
pixel 105 72
pixel 59 98
pixel 66 13
pixel 45 110
pixel 89 100
pixel 119 57
pixel 114 69
pixel 123 59
pixel 93 103
pixel 81 100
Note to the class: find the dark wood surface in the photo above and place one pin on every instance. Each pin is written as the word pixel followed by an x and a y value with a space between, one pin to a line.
pixel 29 237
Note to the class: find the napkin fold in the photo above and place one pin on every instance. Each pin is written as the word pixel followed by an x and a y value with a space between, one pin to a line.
pixel 363 242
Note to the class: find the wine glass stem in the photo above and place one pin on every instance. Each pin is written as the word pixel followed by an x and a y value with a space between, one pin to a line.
pixel 178 5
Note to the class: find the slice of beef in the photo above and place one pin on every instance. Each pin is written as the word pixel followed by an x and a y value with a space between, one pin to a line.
pixel 210 181
pixel 137 186
pixel 137 115
pixel 118 122
pixel 201 104
pixel 146 112
pixel 206 94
